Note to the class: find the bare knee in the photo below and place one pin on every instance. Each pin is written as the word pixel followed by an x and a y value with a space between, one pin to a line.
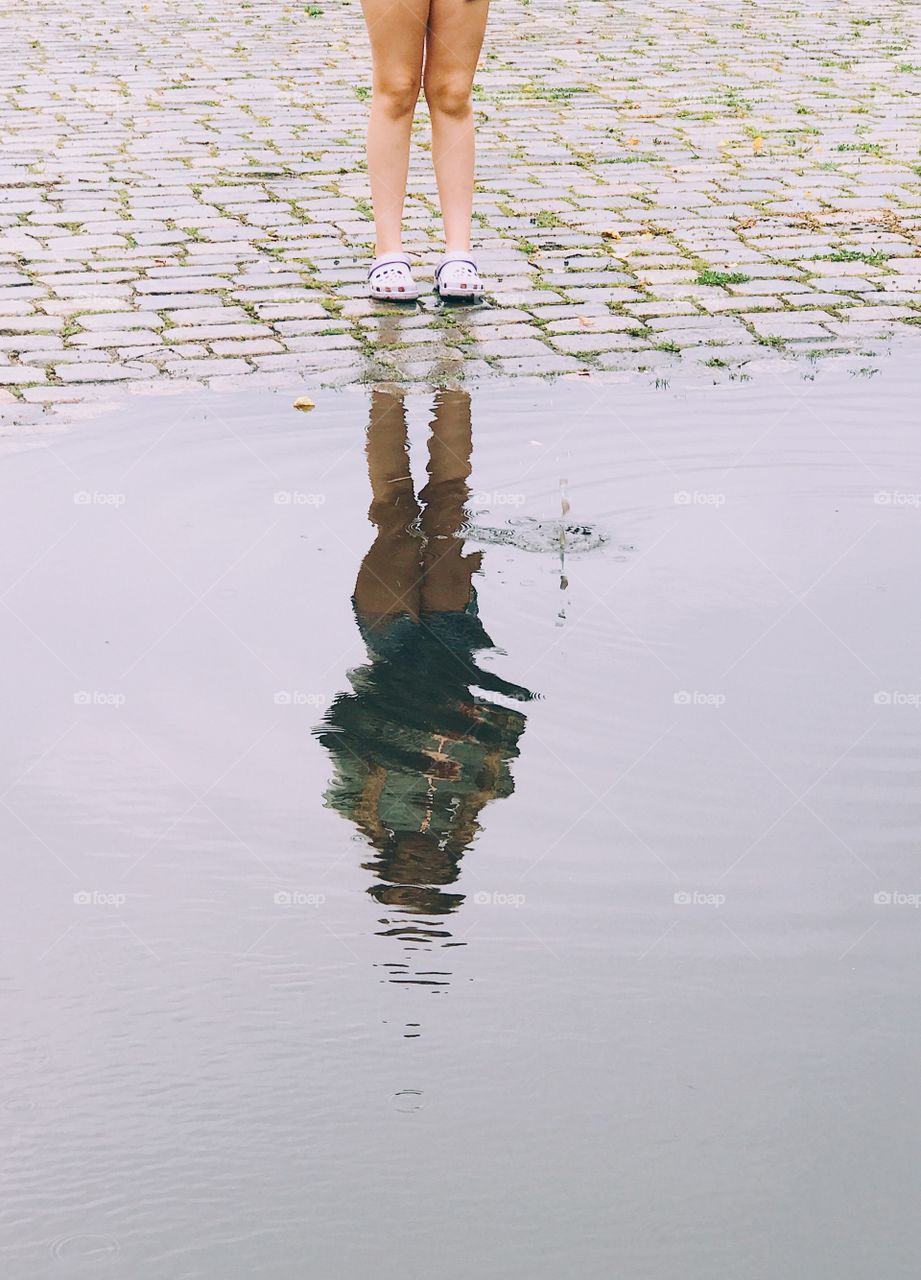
pixel 396 95
pixel 448 96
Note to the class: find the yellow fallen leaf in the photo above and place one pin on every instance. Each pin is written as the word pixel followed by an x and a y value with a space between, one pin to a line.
pixel 633 142
pixel 610 235
pixel 304 402
pixel 757 145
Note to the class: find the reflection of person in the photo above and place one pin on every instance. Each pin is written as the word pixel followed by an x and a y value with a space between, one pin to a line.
pixel 417 753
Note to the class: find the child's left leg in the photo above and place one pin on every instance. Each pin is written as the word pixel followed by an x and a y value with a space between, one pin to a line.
pixel 452 50
pixel 397 31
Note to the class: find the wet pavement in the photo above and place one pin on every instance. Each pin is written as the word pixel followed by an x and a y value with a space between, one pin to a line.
pixel 183 198
pixel 464 831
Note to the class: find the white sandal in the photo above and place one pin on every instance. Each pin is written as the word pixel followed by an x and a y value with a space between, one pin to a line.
pixel 456 276
pixel 390 278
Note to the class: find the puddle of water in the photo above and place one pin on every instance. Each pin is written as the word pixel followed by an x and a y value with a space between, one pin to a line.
pixel 520 878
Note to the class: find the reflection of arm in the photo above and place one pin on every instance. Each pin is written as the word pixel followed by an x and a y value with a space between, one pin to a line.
pixel 388 581
pixel 366 815
pixel 465 825
pixel 447 582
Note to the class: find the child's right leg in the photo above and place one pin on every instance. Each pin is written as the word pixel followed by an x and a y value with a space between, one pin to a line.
pixel 397 29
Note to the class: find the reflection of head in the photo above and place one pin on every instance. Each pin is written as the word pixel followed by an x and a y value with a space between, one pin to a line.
pixel 418 748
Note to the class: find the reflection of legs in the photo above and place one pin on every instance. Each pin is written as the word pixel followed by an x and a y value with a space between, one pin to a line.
pixel 448 572
pixel 389 577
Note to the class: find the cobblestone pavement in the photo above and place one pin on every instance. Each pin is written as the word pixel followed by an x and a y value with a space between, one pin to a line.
pixel 183 194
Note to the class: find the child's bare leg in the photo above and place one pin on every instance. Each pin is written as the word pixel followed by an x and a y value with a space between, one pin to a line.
pixel 397 29
pixel 455 37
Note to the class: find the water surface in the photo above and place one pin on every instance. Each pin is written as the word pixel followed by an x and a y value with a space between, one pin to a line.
pixel 464 836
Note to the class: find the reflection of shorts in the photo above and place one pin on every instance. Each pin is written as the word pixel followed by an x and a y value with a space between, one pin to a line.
pixel 457 630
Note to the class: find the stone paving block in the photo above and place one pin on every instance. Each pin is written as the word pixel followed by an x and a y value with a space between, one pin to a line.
pixel 210 332
pixel 30 324
pixel 118 320
pixel 775 285
pixel 319 344
pixel 820 300
pixel 12 411
pixel 117 338
pixel 179 284
pixel 13 297
pixel 568 311
pixel 169 302
pixel 486 333
pixel 18 308
pixel 307 360
pixel 68 355
pixel 48 395
pixel 738 306
pixel 205 368
pixel 661 308
pixel 605 323
pixel 102 372
pixel 205 315
pixel 512 347
pixel 17 375
pixel 539 365
pixel 247 347
pixel 290 311
pixel 881 313
pixel 714 326
pixel 858 331
pixel 86 306
pixel 592 344
pixel 802 325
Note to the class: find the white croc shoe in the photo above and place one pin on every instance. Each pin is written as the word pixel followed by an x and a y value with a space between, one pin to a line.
pixel 390 279
pixel 456 276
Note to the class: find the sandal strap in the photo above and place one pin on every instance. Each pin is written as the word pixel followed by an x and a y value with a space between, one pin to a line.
pixel 451 259
pixel 388 260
